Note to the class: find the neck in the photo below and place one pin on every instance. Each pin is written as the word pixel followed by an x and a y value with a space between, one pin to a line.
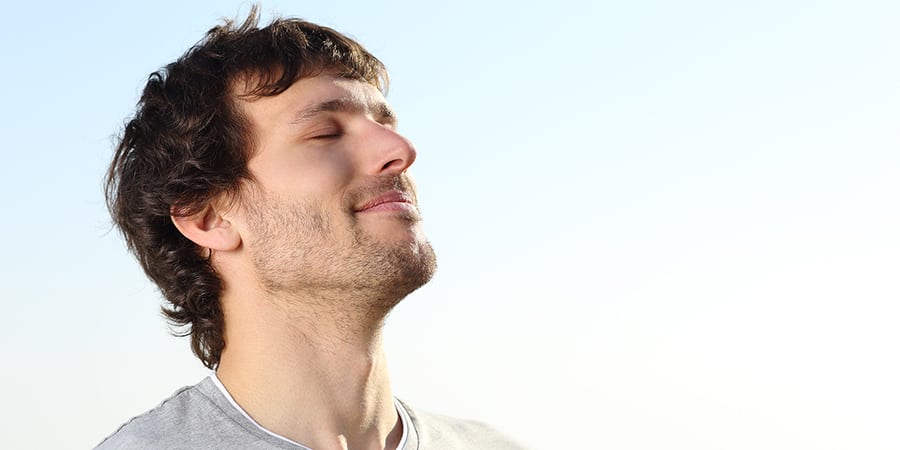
pixel 315 375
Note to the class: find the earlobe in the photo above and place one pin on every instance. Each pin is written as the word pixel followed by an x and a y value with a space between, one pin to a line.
pixel 208 229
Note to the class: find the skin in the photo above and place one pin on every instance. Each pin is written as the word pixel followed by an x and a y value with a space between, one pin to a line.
pixel 313 255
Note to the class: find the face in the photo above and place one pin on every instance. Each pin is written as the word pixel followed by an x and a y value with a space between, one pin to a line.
pixel 332 209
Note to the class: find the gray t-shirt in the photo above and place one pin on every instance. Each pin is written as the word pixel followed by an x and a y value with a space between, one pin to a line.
pixel 201 417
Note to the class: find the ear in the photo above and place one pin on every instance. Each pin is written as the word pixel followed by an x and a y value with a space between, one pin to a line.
pixel 208 229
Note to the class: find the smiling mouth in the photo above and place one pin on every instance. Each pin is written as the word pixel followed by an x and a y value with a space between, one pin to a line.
pixel 391 201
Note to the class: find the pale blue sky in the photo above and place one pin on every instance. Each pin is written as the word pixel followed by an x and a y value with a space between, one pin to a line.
pixel 659 224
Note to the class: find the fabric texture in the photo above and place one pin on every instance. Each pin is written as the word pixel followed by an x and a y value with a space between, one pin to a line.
pixel 200 417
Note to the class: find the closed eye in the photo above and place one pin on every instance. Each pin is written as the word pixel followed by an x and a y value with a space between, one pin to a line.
pixel 325 133
pixel 325 136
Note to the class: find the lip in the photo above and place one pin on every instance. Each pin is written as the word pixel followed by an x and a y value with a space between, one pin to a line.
pixel 391 201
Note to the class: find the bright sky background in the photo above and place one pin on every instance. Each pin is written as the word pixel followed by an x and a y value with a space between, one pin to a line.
pixel 660 225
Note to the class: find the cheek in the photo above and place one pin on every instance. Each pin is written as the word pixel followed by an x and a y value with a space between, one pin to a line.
pixel 328 169
pixel 308 173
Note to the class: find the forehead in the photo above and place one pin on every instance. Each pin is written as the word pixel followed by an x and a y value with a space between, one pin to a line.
pixel 312 95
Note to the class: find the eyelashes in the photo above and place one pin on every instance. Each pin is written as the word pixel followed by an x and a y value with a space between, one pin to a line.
pixel 330 130
pixel 326 136
pixel 326 132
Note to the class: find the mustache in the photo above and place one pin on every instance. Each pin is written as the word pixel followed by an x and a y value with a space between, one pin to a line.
pixel 380 186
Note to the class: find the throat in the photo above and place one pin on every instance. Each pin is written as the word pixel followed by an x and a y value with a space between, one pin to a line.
pixel 312 381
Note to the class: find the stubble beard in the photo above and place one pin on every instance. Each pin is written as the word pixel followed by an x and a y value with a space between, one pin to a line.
pixel 298 253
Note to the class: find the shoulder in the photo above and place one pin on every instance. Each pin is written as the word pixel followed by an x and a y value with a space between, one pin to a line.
pixel 445 432
pixel 185 418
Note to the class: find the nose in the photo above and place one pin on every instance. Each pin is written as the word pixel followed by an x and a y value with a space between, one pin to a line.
pixel 390 153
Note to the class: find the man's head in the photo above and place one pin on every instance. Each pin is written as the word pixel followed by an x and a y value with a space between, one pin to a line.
pixel 274 145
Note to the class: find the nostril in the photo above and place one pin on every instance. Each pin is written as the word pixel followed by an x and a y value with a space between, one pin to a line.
pixel 391 163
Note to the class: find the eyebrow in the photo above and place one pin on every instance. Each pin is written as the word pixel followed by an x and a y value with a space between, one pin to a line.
pixel 381 110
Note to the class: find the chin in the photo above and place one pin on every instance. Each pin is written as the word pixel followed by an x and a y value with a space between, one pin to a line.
pixel 399 271
pixel 397 233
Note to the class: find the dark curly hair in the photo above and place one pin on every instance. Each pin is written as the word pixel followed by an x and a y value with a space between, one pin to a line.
pixel 188 144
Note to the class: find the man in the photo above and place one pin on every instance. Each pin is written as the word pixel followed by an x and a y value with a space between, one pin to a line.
pixel 263 186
